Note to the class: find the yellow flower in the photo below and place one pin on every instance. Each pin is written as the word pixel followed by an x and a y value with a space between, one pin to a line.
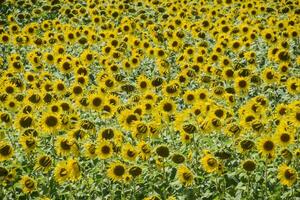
pixel 74 168
pixel 209 163
pixel 144 150
pixel 28 142
pixel 266 146
pixel 28 184
pixel 129 152
pixel 6 151
pixel 90 150
pixel 104 149
pixel 61 172
pixel 116 171
pixel 185 175
pixel 50 122
pixel 287 175
pixel 43 162
pixel 65 146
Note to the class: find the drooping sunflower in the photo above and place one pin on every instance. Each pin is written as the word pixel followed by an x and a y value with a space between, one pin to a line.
pixel 90 150
pixel 209 163
pixel 43 162
pixel 6 151
pixel 178 158
pixel 249 165
pixel 245 145
pixel 144 150
pixel 135 171
pixel 140 130
pixel 73 167
pixel 116 171
pixel 66 146
pixel 185 175
pixel 24 121
pixel 104 149
pixel 28 142
pixel 287 175
pixel 28 184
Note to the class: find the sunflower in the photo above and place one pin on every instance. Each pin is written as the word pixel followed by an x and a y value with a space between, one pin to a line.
pixel 96 101
pixel 73 167
pixel 293 85
pixel 6 151
pixel 135 171
pixel 163 151
pixel 249 165
pixel 11 104
pixel 127 118
pixel 167 106
pixel 28 184
pixel 116 171
pixel 43 163
pixel 106 134
pixel 108 110
pixel 287 175
pixel 185 137
pixel 241 85
pixel 129 152
pixel 65 146
pixel 178 158
pixel 294 116
pixel 269 75
pixel 189 97
pixel 50 122
pixel 140 130
pixel 61 172
pixel 104 149
pixel 284 138
pixel 143 83
pixel 209 163
pixel 23 121
pixel 90 150
pixel 28 142
pixel 266 146
pixel 144 150
pixel 185 175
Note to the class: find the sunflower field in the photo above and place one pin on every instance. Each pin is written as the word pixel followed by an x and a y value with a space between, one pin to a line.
pixel 150 99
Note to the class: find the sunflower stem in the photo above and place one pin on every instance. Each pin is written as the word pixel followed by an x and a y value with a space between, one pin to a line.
pixel 266 177
pixel 133 190
pixel 249 186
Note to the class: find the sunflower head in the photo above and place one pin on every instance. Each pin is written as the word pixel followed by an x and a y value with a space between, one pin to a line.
pixel 61 172
pixel 185 175
pixel 266 147
pixel 104 149
pixel 249 165
pixel 287 175
pixel 209 163
pixel 116 171
pixel 6 151
pixel 163 151
pixel 28 184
